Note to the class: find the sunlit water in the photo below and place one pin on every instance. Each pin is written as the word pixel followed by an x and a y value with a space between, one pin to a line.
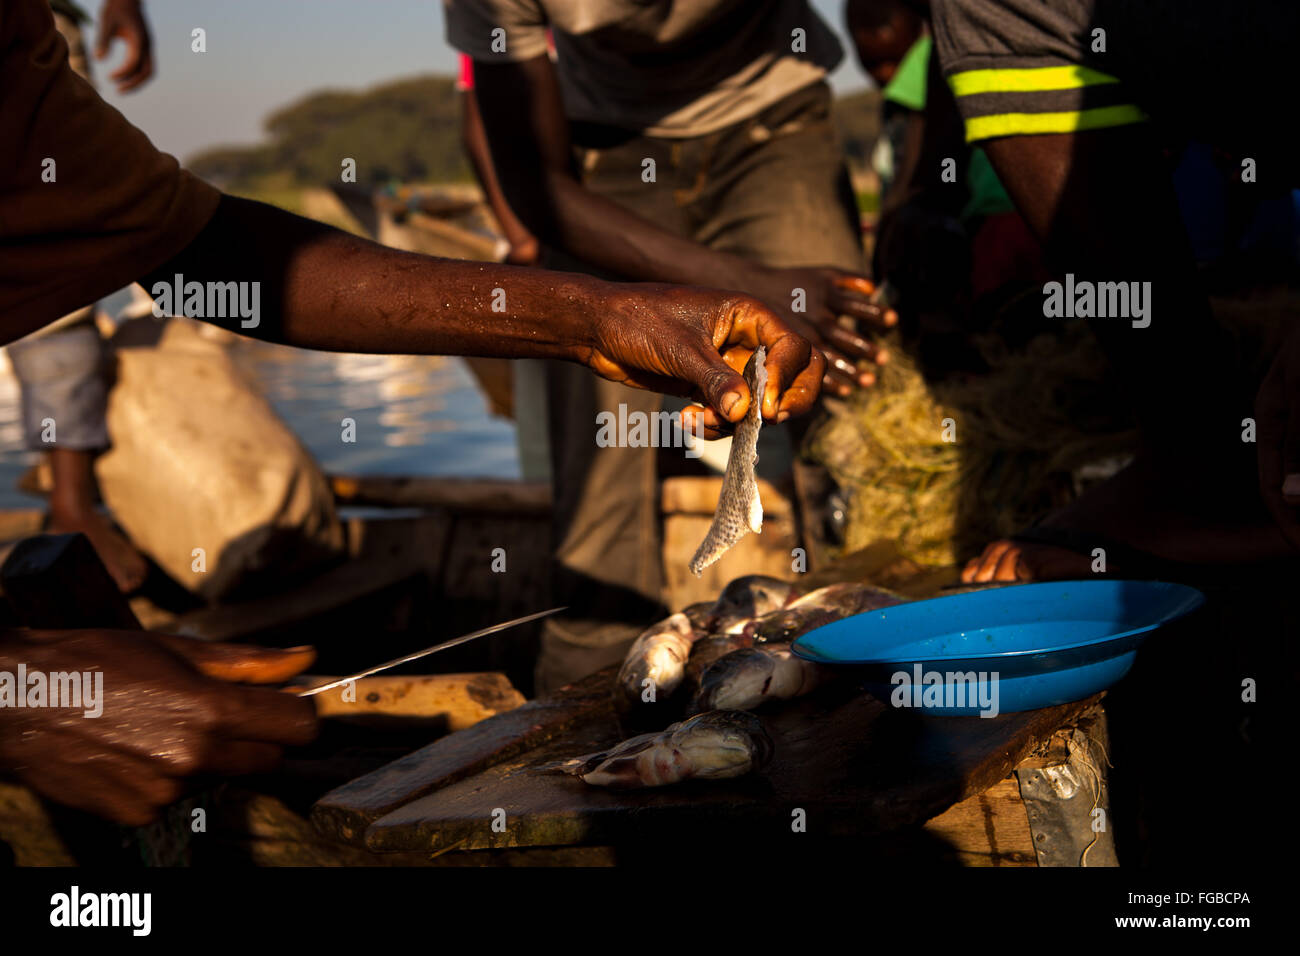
pixel 415 415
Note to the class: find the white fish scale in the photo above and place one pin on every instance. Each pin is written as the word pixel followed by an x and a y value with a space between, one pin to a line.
pixel 739 509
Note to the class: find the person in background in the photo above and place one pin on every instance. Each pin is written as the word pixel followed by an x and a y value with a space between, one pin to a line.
pixel 943 246
pixel 64 370
pixel 126 212
pixel 670 142
pixel 892 46
pixel 522 247
pixel 1078 106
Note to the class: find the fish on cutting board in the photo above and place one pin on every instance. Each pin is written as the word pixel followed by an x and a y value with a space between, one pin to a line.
pixel 768 670
pixel 753 676
pixel 707 650
pixel 816 608
pixel 739 509
pixel 748 597
pixel 713 746
pixel 658 657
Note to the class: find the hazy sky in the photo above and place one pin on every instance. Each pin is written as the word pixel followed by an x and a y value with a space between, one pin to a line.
pixel 263 54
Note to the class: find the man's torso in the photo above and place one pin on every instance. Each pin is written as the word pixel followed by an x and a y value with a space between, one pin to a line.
pixel 666 68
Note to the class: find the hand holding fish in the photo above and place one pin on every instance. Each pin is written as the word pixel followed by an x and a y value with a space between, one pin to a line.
pixel 696 342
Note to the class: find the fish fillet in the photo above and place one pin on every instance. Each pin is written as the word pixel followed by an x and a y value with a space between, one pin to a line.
pixel 739 509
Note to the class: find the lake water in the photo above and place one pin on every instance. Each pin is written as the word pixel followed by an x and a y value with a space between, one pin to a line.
pixel 415 415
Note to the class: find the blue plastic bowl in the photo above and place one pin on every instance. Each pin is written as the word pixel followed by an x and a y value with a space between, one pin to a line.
pixel 1019 647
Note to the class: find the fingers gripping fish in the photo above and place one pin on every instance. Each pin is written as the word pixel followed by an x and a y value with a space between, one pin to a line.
pixel 739 509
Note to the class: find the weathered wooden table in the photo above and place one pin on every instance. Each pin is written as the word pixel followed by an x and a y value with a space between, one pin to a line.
pixel 845 764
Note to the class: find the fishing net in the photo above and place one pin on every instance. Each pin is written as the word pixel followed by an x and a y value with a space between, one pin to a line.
pixel 1026 433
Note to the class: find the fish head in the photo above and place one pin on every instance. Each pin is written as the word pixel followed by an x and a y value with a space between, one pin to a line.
pixel 736 681
pixel 722 743
pixel 700 616
pixel 753 595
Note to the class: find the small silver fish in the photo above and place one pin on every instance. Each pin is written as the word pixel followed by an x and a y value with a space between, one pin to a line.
pixel 659 655
pixel 747 678
pixel 739 509
pixel 707 650
pixel 712 746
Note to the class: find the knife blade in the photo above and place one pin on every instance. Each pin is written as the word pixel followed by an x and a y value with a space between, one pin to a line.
pixel 455 641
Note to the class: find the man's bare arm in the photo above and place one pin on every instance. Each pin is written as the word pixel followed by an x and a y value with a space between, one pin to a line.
pixel 324 289
pixel 523 244
pixel 526 126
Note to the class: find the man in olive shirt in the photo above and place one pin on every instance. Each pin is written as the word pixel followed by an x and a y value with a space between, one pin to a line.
pixel 119 210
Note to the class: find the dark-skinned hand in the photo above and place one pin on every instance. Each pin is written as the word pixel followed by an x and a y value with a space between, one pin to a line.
pixel 170 710
pixel 831 297
pixel 695 342
pixel 124 20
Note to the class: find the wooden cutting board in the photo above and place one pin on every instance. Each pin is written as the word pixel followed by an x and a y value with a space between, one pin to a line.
pixel 851 765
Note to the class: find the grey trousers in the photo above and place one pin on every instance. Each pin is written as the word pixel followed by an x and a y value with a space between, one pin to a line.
pixel 773 189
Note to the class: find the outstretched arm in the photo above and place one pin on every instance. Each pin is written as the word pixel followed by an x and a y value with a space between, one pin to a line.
pixel 324 289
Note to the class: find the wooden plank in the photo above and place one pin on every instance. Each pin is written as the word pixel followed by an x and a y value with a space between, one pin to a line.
pixel 252 828
pixel 463 699
pixel 988 829
pixel 462 494
pixel 345 813
pixel 855 766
